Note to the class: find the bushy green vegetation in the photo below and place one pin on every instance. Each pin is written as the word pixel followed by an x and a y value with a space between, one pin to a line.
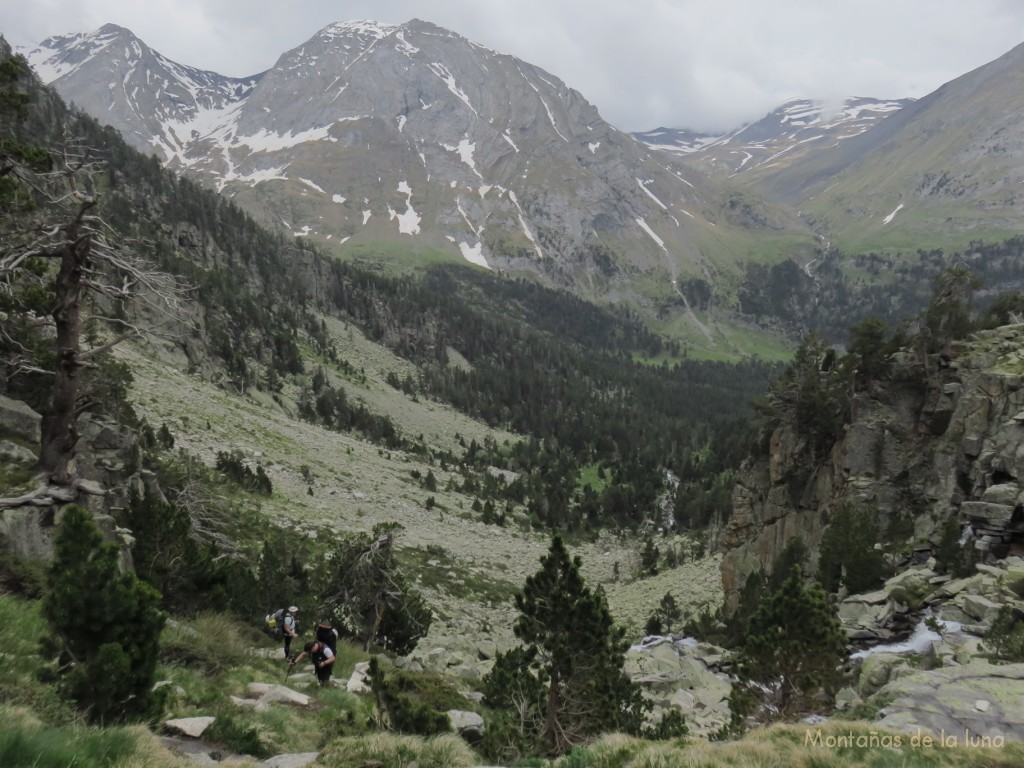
pixel 839 290
pixel 566 682
pixel 848 554
pixel 789 662
pixel 28 743
pixel 411 702
pixel 1005 640
pixel 366 594
pixel 105 626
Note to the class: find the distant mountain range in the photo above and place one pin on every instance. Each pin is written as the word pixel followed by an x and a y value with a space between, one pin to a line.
pixel 783 136
pixel 411 142
pixel 413 139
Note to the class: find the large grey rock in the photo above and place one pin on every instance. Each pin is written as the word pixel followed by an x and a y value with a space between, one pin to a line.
pixel 987 513
pixel 1002 493
pixel 359 681
pixel 980 608
pixel 189 726
pixel 28 532
pixel 945 700
pixel 469 725
pixel 281 694
pixel 20 420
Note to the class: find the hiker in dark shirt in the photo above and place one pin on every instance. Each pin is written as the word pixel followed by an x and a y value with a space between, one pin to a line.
pixel 322 657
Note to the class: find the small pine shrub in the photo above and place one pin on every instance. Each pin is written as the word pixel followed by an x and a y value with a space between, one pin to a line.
pixel 1005 640
pixel 413 703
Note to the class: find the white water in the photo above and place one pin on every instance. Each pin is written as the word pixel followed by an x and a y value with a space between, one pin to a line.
pixel 920 641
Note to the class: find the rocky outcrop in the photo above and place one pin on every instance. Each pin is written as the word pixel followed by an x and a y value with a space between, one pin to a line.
pixel 20 420
pixel 970 701
pixel 682 675
pixel 107 468
pixel 939 439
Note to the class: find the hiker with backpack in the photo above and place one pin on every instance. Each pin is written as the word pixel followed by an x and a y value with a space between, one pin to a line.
pixel 290 629
pixel 284 622
pixel 322 657
pixel 327 635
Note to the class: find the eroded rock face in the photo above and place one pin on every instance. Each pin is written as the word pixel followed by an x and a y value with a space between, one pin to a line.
pixel 949 444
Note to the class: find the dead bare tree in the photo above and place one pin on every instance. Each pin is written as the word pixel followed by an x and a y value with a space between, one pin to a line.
pixel 66 248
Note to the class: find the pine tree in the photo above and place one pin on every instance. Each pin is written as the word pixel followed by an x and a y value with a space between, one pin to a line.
pixel 574 657
pixel 669 611
pixel 369 597
pixel 794 647
pixel 106 625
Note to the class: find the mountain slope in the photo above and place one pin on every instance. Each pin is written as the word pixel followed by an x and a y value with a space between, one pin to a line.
pixel 939 173
pixel 411 139
pixel 787 136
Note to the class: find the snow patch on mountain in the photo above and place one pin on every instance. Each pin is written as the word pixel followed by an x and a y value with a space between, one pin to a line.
pixel 892 215
pixel 448 79
pixel 271 141
pixel 653 235
pixel 409 221
pixel 474 254
pixel 651 194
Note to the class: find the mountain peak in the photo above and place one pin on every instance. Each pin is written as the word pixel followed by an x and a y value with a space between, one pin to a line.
pixel 114 29
pixel 366 28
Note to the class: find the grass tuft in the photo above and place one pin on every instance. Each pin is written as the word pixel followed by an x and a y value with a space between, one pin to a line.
pixel 397 751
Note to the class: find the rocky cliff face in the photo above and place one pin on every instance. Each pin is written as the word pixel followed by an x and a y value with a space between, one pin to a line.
pixel 942 439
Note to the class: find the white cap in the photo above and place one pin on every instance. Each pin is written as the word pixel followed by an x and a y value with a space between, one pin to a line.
pixel 293 609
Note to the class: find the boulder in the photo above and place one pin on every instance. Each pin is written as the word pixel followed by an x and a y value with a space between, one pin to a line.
pixel 1005 494
pixel 980 608
pixel 279 693
pixel 359 682
pixel 469 725
pixel 28 532
pixel 20 420
pixel 846 698
pixel 1014 578
pixel 988 514
pixel 189 726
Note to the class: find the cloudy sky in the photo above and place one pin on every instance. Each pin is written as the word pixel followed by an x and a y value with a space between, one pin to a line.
pixel 644 63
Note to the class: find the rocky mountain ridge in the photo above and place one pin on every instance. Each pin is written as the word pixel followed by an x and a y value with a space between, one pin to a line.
pixel 371 137
pixel 784 136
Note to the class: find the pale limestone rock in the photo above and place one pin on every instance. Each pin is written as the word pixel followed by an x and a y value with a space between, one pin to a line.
pixel 295 760
pixel 189 726
pixel 279 693
pixel 358 682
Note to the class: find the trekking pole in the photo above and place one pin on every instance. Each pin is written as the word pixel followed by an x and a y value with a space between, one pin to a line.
pixel 289 670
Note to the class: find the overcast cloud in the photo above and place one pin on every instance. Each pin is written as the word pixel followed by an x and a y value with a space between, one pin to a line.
pixel 643 63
